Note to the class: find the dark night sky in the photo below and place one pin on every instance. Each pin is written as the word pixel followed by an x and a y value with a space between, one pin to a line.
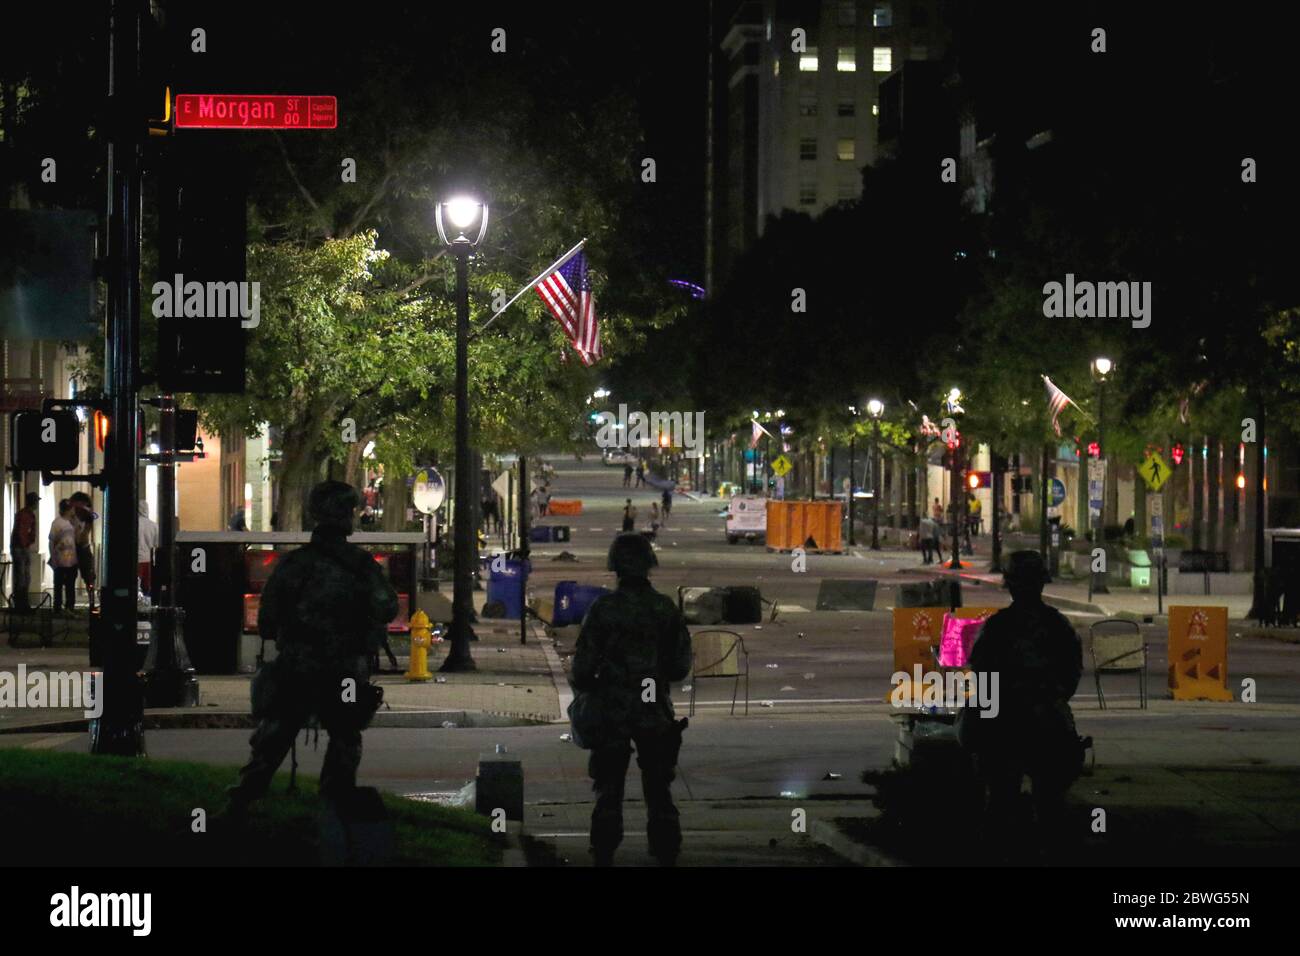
pixel 659 57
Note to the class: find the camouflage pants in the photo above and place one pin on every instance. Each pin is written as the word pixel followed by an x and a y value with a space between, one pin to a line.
pixel 292 711
pixel 656 755
pixel 1051 768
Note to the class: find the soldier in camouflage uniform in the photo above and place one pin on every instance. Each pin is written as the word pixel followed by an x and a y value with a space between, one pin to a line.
pixel 1039 659
pixel 325 606
pixel 633 645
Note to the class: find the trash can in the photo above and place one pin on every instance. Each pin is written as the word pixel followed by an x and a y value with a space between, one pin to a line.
pixel 1139 564
pixel 539 534
pixel 507 586
pixel 572 601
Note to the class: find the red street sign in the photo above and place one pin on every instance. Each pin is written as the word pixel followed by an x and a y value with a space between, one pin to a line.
pixel 253 111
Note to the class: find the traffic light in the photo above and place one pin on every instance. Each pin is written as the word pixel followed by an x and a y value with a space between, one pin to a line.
pixel 1094 450
pixel 1176 453
pixel 101 426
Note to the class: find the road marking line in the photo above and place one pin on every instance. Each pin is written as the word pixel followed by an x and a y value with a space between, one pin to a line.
pixel 791 609
pixel 45 743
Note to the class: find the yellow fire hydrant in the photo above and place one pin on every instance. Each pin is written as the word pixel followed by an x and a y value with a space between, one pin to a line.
pixel 421 637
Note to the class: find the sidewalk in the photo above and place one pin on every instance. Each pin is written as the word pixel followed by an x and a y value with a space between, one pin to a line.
pixel 512 685
pixel 1064 592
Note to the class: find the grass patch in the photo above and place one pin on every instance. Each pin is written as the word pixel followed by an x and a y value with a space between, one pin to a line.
pixel 83 810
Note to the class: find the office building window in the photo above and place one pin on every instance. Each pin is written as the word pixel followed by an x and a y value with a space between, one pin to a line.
pixel 847 61
pixel 882 15
pixel 807 104
pixel 848 191
pixel 808 148
pixel 875 109
pixel 808 61
pixel 847 13
pixel 808 194
pixel 919 53
pixel 844 151
pixel 882 59
pixel 776 67
pixel 847 108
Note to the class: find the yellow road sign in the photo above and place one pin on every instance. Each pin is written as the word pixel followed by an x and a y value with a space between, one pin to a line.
pixel 780 465
pixel 1154 471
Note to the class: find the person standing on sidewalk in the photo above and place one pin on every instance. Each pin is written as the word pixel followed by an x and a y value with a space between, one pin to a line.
pixel 928 533
pixel 325 606
pixel 667 499
pixel 83 520
pixel 22 541
pixel 629 516
pixel 627 475
pixel 634 643
pixel 640 474
pixel 63 557
pixel 1032 659
pixel 146 541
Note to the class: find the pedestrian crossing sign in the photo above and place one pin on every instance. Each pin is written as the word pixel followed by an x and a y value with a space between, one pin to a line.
pixel 781 465
pixel 1154 471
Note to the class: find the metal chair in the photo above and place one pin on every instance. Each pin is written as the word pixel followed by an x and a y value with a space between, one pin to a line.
pixel 1122 652
pixel 718 653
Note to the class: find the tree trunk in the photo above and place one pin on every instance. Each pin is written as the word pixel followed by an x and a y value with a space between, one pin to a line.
pixel 353 464
pixel 1198 491
pixel 298 473
pixel 395 502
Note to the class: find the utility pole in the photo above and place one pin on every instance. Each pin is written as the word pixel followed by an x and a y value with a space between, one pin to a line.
pixel 120 729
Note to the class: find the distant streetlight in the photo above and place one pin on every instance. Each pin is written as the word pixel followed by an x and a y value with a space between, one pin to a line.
pixel 875 408
pixel 1101 367
pixel 467 218
pixel 957 489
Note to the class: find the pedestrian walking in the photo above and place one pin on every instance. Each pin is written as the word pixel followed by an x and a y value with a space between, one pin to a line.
pixel 325 606
pixel 63 557
pixel 640 474
pixel 667 499
pixel 634 643
pixel 629 516
pixel 627 475
pixel 22 549
pixel 654 516
pixel 928 535
pixel 937 511
pixel 1037 659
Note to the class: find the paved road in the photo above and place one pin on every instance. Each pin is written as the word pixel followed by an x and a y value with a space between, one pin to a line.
pixel 824 673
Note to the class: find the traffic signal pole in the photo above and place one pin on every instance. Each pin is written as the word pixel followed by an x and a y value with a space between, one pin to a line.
pixel 120 729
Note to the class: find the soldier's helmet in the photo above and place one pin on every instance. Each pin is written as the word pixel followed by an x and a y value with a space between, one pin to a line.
pixel 332 503
pixel 630 556
pixel 1027 570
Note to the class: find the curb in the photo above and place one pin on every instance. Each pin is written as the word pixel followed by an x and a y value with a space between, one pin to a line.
pixel 1056 600
pixel 236 720
pixel 829 836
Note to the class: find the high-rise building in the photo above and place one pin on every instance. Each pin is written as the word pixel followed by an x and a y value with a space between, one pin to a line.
pixel 794 103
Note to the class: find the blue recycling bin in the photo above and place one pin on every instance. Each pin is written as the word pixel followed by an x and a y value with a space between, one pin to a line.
pixel 572 600
pixel 539 534
pixel 507 586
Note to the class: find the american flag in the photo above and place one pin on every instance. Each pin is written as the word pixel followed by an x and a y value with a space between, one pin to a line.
pixel 1056 402
pixel 567 293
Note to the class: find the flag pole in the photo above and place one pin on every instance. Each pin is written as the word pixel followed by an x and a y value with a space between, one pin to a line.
pixel 540 276
pixel 1069 399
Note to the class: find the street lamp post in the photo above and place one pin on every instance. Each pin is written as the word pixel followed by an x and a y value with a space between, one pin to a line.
pixel 1101 367
pixel 853 467
pixel 467 219
pixel 875 408
pixel 956 485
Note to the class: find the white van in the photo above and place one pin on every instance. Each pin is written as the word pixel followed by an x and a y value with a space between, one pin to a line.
pixel 746 518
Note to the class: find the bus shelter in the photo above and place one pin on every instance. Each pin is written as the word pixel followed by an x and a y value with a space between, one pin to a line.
pixel 220 576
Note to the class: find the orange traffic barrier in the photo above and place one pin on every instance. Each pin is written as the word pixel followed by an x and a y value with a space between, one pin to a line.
pixel 812 525
pixel 564 507
pixel 1198 653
